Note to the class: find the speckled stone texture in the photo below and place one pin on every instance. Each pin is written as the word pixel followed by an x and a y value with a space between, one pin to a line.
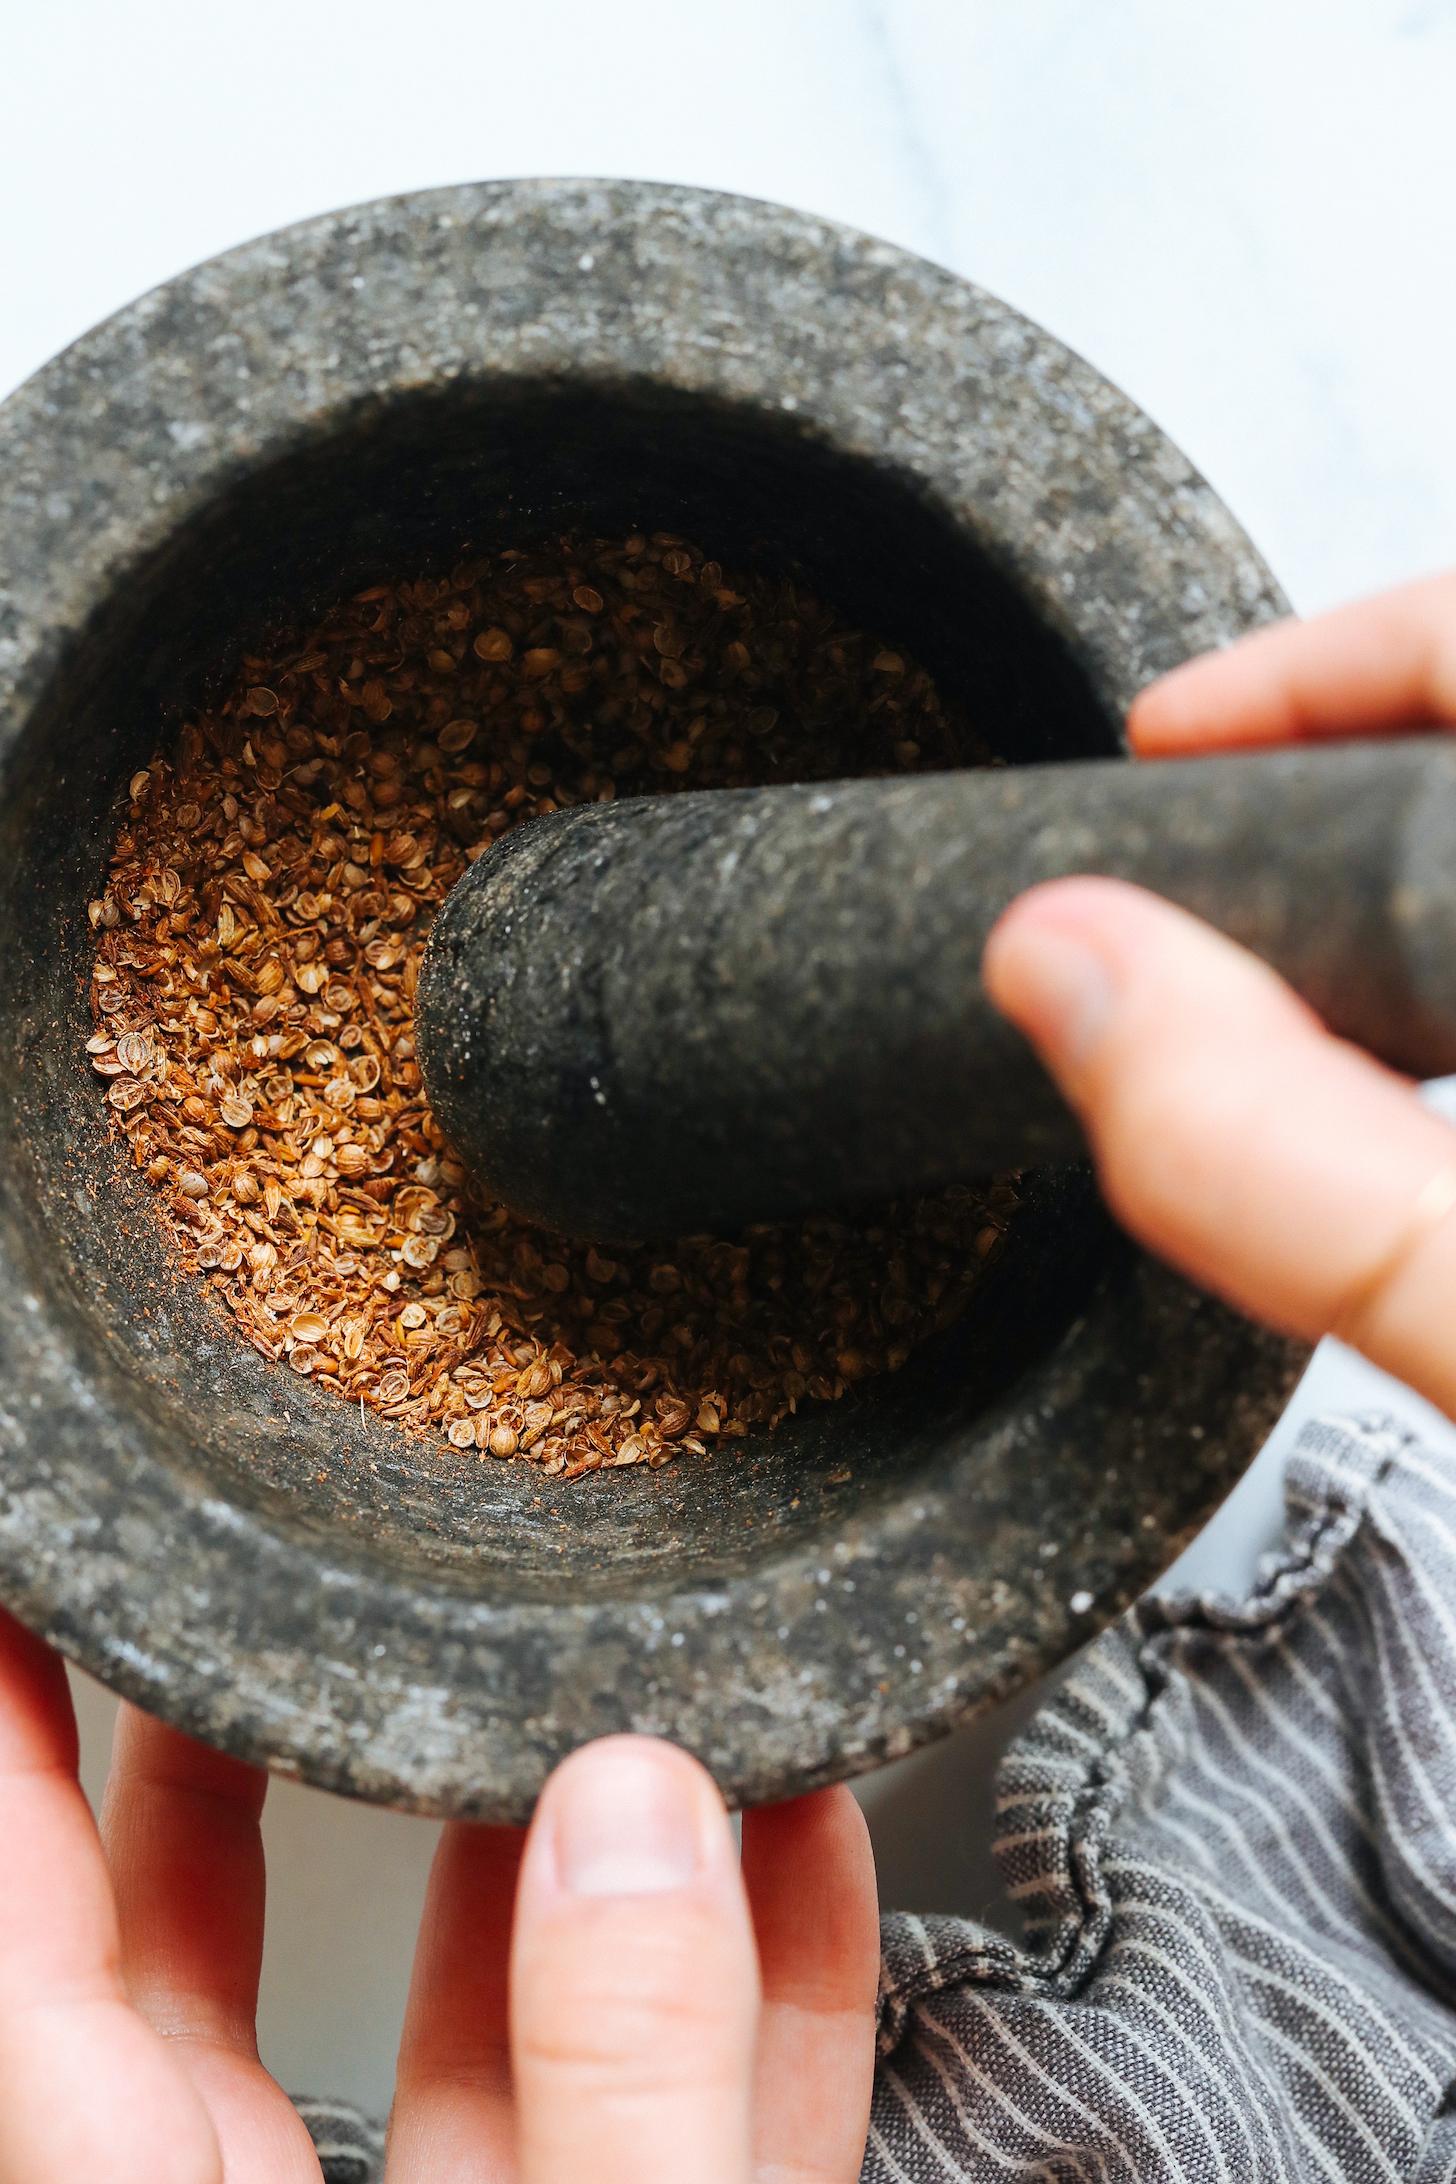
pixel 349 400
pixel 672 1014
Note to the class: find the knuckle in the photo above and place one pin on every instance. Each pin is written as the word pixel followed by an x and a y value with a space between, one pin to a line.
pixel 1160 1125
pixel 630 2006
pixel 624 2058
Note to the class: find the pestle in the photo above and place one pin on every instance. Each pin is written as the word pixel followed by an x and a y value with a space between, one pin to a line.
pixel 693 1011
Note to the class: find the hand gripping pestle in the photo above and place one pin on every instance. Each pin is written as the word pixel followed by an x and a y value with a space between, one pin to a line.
pixel 689 1012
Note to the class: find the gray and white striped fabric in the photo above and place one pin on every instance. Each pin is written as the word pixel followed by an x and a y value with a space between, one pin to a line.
pixel 350 2148
pixel 1232 1838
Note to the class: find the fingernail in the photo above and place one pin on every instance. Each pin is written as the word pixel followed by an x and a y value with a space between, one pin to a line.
pixel 1058 989
pixel 628 1822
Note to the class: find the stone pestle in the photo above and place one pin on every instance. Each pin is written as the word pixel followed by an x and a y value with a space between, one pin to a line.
pixel 694 1011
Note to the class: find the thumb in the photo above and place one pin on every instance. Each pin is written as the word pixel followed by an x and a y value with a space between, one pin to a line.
pixel 1233 1135
pixel 634 1983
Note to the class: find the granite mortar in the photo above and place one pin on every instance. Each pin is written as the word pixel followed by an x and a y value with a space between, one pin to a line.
pixel 345 399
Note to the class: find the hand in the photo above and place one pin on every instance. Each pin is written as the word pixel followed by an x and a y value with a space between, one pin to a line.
pixel 625 2028
pixel 1233 1135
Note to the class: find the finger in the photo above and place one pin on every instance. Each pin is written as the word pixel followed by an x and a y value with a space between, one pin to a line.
pixel 86 2088
pixel 1232 1134
pixel 181 1828
pixel 810 1875
pixel 1388 662
pixel 452 2120
pixel 634 1988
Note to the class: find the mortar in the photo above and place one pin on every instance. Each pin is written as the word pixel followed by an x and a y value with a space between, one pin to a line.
pixel 352 399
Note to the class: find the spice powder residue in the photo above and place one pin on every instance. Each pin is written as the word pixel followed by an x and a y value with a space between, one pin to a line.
pixel 258 941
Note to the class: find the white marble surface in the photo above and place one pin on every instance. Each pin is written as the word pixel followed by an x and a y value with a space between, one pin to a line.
pixel 1245 214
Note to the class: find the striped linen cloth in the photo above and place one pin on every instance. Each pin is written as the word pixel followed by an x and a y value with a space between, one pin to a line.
pixel 350 2148
pixel 1231 1836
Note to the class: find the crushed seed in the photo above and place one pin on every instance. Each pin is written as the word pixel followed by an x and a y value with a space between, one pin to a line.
pixel 258 941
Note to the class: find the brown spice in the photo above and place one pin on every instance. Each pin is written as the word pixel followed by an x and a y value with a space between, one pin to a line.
pixel 258 942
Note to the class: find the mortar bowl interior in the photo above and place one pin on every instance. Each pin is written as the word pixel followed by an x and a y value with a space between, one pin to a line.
pixel 382 498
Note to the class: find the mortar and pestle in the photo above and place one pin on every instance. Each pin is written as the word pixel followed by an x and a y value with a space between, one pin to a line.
pixel 356 398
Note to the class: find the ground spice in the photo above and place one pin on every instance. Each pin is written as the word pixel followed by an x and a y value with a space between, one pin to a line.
pixel 258 942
